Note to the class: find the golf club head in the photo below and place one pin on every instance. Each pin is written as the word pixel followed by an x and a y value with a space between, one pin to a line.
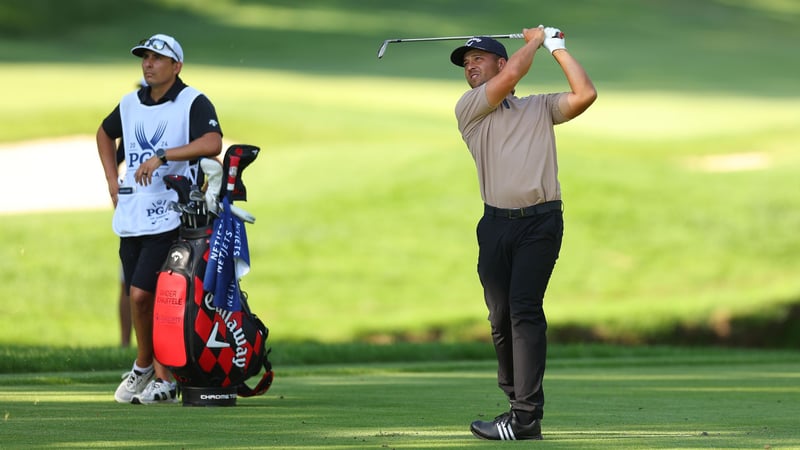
pixel 174 206
pixel 382 50
pixel 246 155
pixel 190 215
pixel 181 185
pixel 196 195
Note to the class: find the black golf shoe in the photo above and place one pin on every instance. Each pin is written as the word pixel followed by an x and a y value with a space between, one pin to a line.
pixel 506 427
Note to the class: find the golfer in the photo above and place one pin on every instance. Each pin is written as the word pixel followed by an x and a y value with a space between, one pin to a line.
pixel 519 236
pixel 165 127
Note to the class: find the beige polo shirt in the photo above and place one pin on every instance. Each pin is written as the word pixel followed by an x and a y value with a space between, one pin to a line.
pixel 513 145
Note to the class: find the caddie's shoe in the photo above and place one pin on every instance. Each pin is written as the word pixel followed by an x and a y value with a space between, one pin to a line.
pixel 133 382
pixel 157 391
pixel 506 427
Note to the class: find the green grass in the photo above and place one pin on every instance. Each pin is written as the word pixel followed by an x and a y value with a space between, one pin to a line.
pixel 664 398
pixel 366 197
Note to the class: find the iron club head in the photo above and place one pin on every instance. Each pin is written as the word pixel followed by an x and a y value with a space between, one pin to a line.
pixel 382 50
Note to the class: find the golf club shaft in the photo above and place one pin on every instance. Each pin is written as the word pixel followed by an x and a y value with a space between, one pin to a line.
pixel 382 50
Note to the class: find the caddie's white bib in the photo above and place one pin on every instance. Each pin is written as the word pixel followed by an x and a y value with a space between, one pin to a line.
pixel 142 210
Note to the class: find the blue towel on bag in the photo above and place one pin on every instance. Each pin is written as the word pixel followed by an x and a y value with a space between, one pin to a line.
pixel 228 260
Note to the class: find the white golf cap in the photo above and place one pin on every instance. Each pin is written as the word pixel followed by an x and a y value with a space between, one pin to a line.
pixel 161 44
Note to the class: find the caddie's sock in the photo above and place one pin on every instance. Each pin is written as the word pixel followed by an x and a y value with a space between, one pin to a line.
pixel 141 370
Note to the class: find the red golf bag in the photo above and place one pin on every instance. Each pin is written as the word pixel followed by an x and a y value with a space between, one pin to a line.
pixel 210 351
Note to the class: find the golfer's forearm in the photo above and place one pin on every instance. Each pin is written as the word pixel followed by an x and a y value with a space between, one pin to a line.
pixel 583 92
pixel 520 62
pixel 515 69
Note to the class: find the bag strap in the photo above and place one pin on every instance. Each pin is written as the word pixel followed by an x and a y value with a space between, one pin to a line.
pixel 263 385
pixel 243 390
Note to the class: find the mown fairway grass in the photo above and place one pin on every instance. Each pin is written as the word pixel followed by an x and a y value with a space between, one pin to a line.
pixel 619 400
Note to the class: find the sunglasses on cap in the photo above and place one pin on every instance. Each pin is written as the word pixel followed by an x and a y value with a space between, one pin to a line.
pixel 157 44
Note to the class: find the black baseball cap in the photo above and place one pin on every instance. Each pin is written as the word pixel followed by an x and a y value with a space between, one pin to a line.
pixel 481 43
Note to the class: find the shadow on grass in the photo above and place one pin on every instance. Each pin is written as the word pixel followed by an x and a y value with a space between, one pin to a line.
pixel 775 328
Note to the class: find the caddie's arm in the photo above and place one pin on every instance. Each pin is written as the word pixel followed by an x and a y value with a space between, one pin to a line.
pixel 582 93
pixel 107 151
pixel 515 68
pixel 208 145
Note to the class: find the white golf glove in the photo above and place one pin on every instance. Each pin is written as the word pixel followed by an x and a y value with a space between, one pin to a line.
pixel 553 39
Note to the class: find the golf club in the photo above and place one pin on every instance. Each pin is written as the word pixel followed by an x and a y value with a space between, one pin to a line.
pixel 174 206
pixel 386 43
pixel 197 200
pixel 242 214
pixel 191 217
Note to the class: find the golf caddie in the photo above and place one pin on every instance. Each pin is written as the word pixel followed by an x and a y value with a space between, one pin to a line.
pixel 165 127
pixel 519 235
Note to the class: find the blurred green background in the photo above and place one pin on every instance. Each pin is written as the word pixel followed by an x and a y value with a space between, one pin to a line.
pixel 680 183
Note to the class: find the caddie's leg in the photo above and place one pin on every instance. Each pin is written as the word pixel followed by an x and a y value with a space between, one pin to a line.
pixel 142 303
pixel 143 287
pixel 124 305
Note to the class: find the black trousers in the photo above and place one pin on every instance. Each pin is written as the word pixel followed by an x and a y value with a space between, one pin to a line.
pixel 515 261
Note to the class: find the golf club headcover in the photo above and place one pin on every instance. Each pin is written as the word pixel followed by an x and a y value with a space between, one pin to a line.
pixel 554 39
pixel 213 171
pixel 246 154
pixel 181 185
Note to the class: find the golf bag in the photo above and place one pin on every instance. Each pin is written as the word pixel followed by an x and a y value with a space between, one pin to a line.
pixel 210 351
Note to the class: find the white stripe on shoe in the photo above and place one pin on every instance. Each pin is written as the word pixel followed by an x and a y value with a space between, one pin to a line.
pixel 505 432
